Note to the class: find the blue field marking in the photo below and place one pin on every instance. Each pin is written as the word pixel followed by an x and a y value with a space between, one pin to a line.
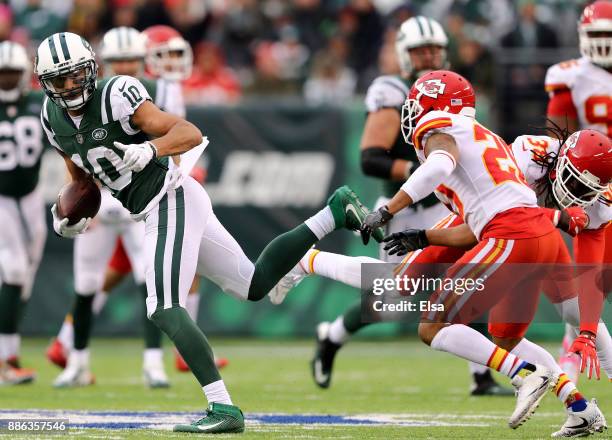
pixel 165 420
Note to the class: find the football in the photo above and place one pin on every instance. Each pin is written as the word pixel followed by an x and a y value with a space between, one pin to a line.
pixel 78 199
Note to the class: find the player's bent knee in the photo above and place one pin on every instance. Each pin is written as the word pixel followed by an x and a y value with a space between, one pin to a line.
pixel 428 330
pixel 169 320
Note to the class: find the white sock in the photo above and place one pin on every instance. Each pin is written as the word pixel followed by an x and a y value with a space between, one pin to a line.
pixel 467 343
pixel 337 331
pixel 99 302
pixel 14 343
pixel 66 334
pixel 535 354
pixel 217 393
pixel 4 346
pixel 337 267
pixel 477 368
pixel 153 356
pixel 78 357
pixel 604 348
pixel 192 304
pixel 322 223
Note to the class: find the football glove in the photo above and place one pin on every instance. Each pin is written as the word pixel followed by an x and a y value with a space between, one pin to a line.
pixel 400 243
pixel 137 156
pixel 571 220
pixel 372 221
pixel 63 229
pixel 584 345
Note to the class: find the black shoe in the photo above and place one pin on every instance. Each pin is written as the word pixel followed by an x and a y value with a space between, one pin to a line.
pixel 485 385
pixel 323 362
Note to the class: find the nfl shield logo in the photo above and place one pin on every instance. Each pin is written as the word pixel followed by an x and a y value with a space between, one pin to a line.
pixel 79 138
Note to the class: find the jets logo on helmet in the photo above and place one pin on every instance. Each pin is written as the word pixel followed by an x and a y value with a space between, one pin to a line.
pixel 14 60
pixel 67 70
pixel 431 88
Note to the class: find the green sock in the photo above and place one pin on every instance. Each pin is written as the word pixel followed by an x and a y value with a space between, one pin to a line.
pixel 10 299
pixel 152 333
pixel 82 317
pixel 189 341
pixel 352 319
pixel 278 258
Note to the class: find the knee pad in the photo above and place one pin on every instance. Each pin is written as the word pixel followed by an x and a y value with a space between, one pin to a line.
pixel 169 320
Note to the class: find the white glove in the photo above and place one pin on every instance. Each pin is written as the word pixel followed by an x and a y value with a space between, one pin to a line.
pixel 136 156
pixel 61 227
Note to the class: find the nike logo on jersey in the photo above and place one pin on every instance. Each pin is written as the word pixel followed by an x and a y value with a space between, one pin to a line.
pixel 122 88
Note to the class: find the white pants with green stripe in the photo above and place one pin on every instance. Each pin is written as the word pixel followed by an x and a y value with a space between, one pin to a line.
pixel 184 237
pixel 22 239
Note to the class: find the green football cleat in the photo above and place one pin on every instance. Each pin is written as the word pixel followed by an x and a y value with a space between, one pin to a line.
pixel 219 419
pixel 349 212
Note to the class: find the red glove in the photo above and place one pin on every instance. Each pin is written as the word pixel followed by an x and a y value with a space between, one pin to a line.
pixel 571 220
pixel 584 345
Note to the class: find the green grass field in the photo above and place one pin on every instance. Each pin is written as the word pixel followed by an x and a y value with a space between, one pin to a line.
pixel 413 391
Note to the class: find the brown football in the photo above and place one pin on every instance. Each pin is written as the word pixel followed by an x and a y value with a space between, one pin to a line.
pixel 78 199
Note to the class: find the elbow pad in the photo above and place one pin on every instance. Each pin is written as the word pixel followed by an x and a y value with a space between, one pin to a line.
pixel 376 162
pixel 438 166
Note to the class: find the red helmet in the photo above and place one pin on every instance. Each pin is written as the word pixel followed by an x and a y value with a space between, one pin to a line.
pixel 168 55
pixel 595 32
pixel 583 170
pixel 437 90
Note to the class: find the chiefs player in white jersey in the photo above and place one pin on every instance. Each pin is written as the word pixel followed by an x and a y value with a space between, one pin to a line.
pixel 477 172
pixel 580 93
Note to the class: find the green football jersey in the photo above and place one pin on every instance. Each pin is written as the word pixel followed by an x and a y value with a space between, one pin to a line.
pixel 91 145
pixel 22 142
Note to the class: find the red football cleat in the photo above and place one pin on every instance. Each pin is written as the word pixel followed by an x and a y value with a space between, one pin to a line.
pixel 180 363
pixel 56 353
pixel 221 362
pixel 16 376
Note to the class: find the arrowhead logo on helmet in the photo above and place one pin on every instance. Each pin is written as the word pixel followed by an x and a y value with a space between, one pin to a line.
pixel 431 88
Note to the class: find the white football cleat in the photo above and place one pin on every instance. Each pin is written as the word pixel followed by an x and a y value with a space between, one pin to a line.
pixel 279 292
pixel 155 376
pixel 583 423
pixel 76 373
pixel 529 392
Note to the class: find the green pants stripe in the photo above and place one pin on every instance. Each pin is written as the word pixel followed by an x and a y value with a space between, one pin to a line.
pixel 162 231
pixel 178 246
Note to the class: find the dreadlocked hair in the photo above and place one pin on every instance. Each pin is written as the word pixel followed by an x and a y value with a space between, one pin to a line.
pixel 547 162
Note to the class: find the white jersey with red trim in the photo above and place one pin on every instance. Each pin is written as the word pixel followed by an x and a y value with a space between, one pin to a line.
pixel 591 90
pixel 527 148
pixel 486 179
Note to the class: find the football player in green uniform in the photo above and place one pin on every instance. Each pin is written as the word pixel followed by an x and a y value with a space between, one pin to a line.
pixel 24 230
pixel 102 130
pixel 122 52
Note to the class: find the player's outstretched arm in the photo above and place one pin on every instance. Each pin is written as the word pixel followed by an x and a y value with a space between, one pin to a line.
pixel 173 135
pixel 75 172
pixel 458 236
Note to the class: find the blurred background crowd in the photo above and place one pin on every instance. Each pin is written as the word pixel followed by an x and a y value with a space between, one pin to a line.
pixel 323 50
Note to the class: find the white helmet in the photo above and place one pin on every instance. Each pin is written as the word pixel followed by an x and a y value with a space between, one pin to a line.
pixel 63 54
pixel 123 43
pixel 417 32
pixel 13 57
pixel 596 19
